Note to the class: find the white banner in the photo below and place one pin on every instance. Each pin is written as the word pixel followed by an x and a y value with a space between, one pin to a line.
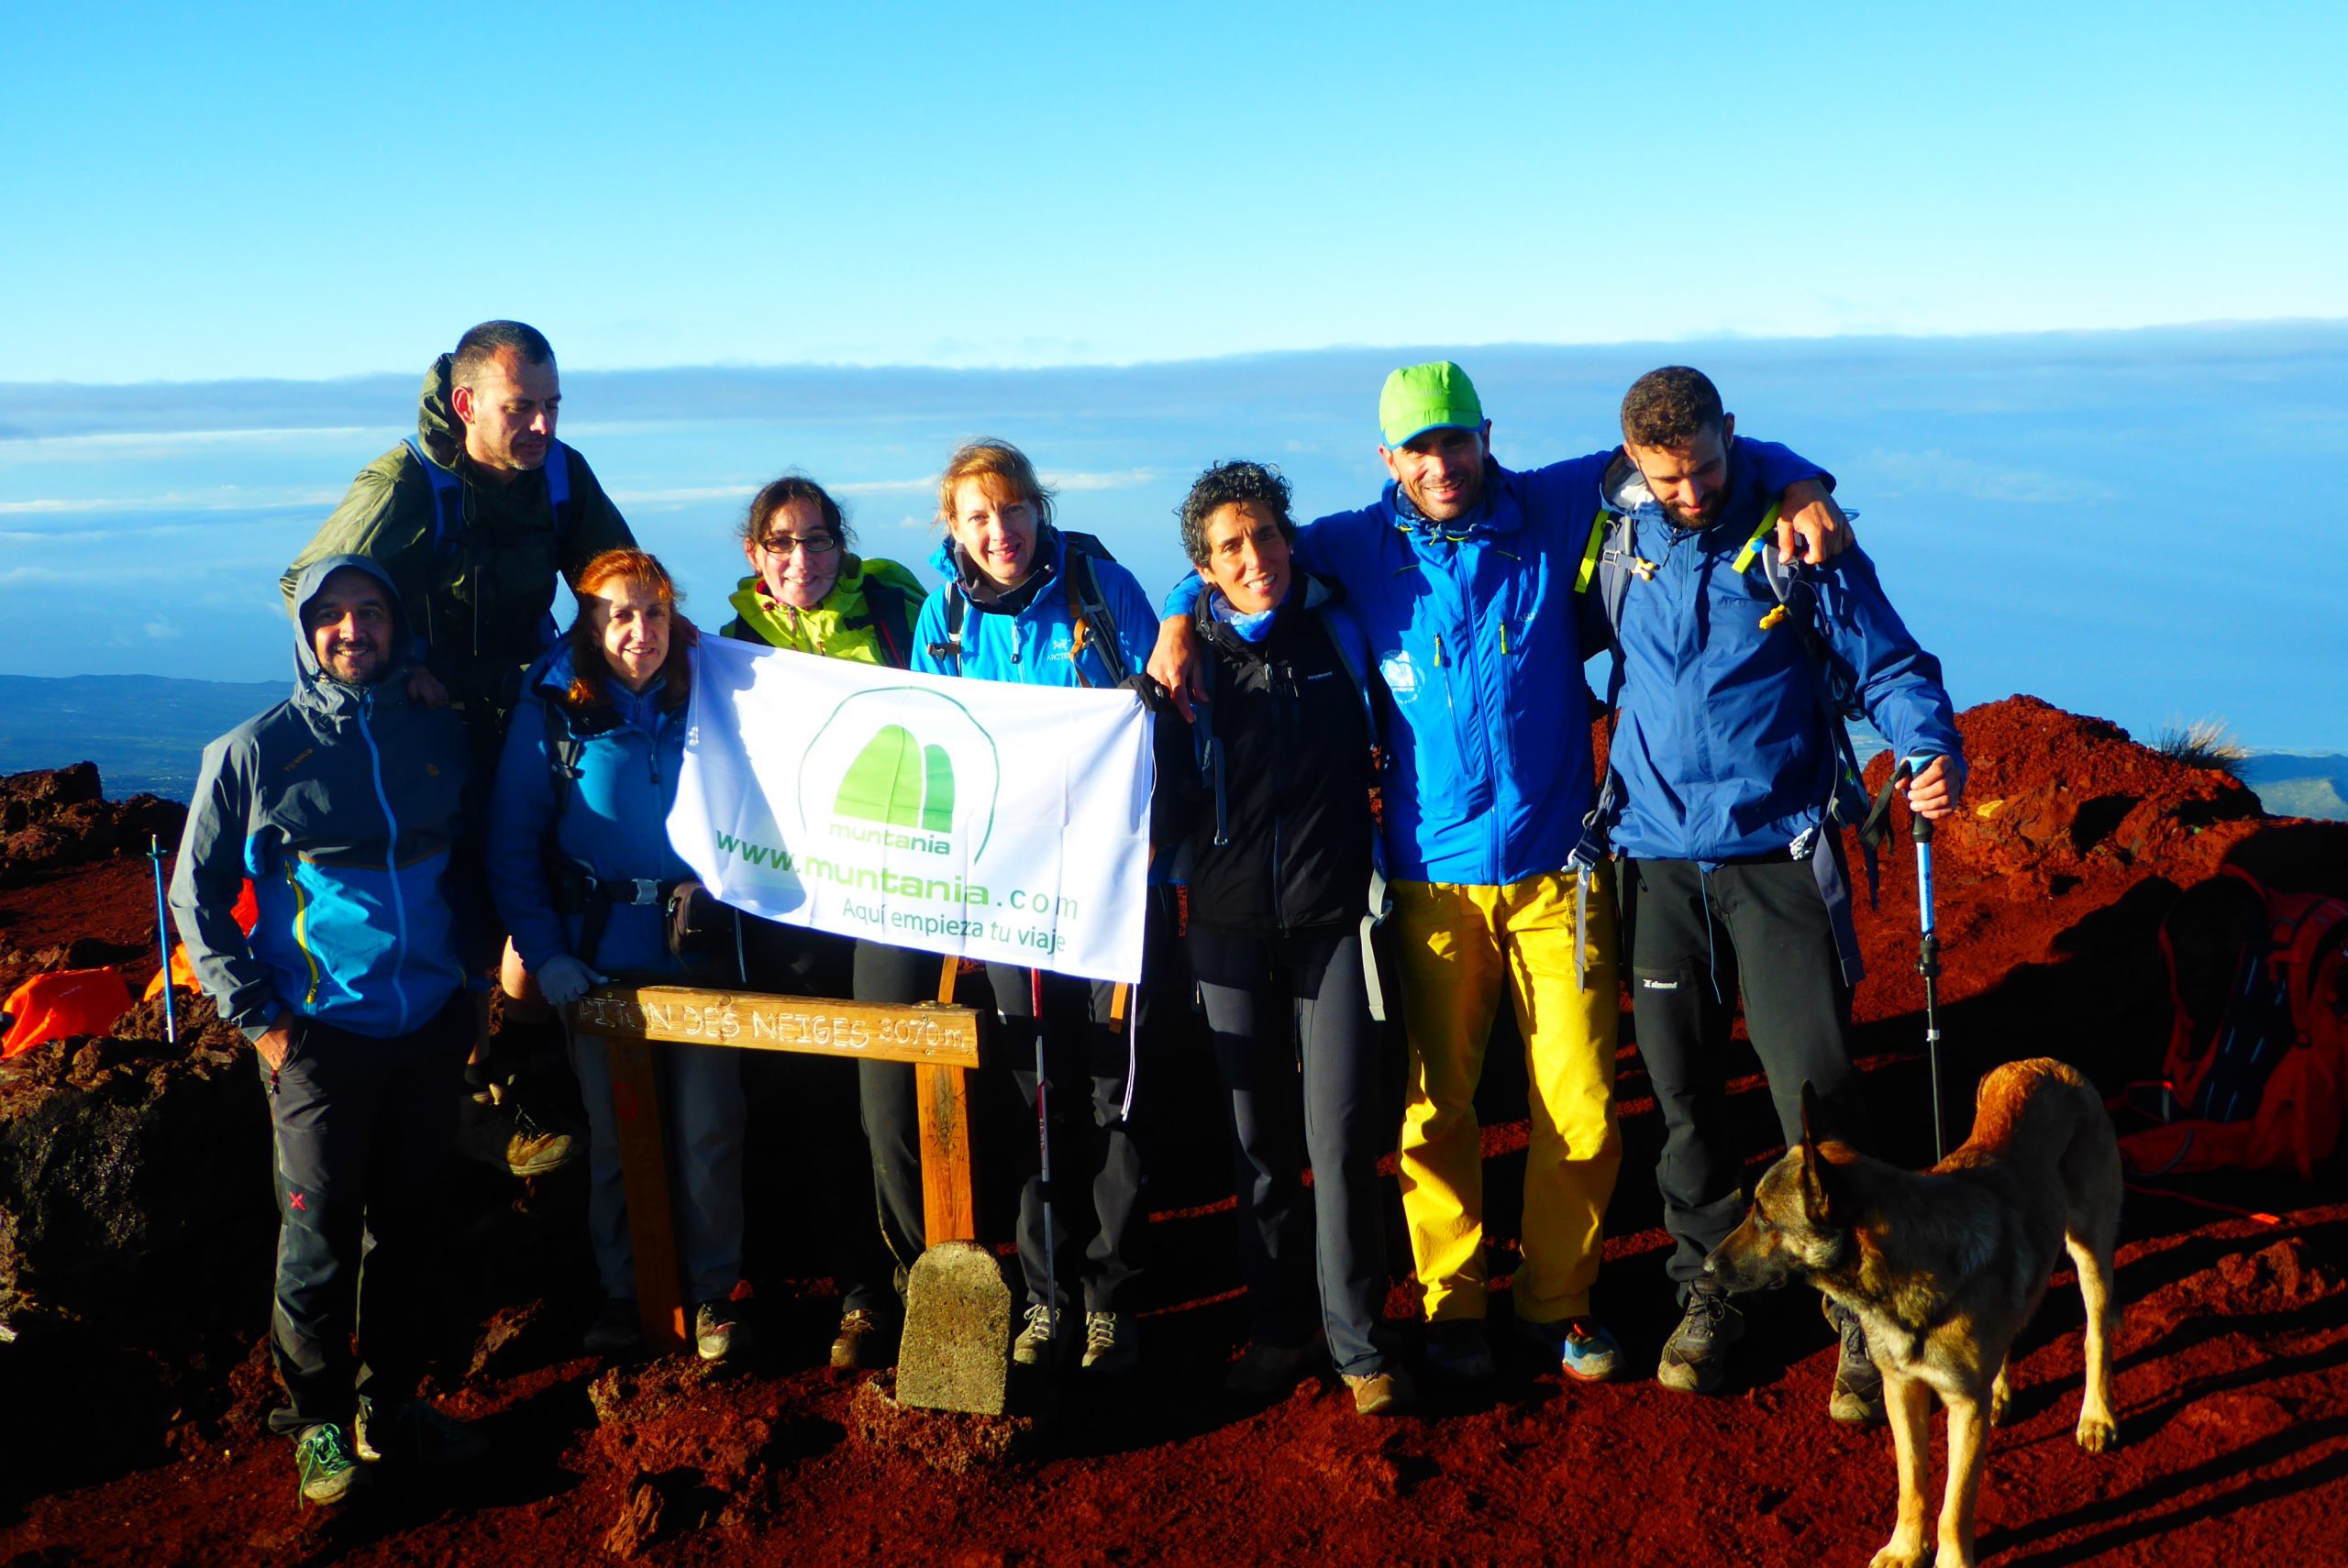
pixel 973 817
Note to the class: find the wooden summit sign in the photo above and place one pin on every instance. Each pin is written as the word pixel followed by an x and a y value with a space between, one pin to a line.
pixel 939 1040
pixel 689 1015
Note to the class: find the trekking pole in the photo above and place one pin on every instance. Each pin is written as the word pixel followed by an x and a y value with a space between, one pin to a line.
pixel 1928 964
pixel 1044 1172
pixel 163 938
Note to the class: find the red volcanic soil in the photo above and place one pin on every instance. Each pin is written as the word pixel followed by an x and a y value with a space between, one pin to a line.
pixel 2231 1382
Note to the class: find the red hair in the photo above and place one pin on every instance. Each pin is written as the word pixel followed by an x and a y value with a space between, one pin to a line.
pixel 590 670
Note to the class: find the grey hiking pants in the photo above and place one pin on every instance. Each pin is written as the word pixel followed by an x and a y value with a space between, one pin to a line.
pixel 1291 1011
pixel 360 1129
pixel 702 1123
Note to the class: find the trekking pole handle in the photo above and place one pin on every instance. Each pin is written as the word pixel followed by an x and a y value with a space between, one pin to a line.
pixel 1919 824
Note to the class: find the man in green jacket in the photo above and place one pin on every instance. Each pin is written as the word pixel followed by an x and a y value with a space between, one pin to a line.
pixel 474 518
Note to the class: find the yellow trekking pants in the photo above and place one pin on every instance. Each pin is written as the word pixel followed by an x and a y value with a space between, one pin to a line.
pixel 1459 945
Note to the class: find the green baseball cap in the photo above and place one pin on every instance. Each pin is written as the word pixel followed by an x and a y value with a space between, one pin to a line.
pixel 1420 398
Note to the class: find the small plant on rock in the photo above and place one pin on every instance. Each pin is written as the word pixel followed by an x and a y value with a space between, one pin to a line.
pixel 2203 743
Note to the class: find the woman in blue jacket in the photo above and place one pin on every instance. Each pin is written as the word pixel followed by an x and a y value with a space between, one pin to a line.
pixel 1026 603
pixel 584 876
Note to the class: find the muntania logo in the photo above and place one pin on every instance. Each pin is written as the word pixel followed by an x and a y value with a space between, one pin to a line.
pixel 903 768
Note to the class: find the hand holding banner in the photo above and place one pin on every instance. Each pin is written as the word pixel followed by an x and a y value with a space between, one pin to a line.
pixel 979 818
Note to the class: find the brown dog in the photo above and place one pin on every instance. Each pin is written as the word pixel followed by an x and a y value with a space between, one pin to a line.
pixel 1943 1268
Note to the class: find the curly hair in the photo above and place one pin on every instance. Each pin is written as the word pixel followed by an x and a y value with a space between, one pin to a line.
pixel 591 673
pixel 1670 407
pixel 780 493
pixel 1224 484
pixel 1000 460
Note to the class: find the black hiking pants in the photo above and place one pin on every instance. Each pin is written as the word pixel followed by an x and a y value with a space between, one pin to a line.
pixel 1699 941
pixel 1095 1193
pixel 360 1131
pixel 1291 1013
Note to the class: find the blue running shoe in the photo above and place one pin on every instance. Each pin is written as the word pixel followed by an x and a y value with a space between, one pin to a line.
pixel 1585 1351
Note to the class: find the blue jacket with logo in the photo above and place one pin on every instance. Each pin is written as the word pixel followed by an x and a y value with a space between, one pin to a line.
pixel 1725 747
pixel 1029 636
pixel 614 824
pixel 348 808
pixel 1472 626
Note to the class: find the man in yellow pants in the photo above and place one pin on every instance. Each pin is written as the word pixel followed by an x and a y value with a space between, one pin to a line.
pixel 1462 577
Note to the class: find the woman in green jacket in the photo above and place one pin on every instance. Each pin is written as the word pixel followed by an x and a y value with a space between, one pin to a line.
pixel 810 592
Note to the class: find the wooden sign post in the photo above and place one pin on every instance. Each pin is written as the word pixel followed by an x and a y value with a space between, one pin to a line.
pixel 940 1041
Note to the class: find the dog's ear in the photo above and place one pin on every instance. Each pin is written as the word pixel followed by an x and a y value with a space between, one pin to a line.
pixel 1814 1199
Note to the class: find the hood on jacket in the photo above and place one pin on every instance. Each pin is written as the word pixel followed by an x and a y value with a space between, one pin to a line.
pixel 309 675
pixel 438 429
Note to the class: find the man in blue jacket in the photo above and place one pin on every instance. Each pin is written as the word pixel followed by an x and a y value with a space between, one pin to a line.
pixel 1461 576
pixel 1725 761
pixel 345 806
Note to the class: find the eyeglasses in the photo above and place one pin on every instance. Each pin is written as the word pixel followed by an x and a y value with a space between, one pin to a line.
pixel 813 544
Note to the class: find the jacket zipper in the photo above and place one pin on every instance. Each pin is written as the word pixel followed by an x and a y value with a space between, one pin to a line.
pixel 390 853
pixel 1284 704
pixel 1491 729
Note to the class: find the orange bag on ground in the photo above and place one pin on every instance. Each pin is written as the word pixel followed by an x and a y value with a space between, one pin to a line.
pixel 183 975
pixel 63 1002
pixel 247 914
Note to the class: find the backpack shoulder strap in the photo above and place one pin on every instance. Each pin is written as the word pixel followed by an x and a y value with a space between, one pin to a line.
pixel 1089 609
pixel 557 479
pixel 564 750
pixel 448 502
pixel 888 606
pixel 1606 567
pixel 949 649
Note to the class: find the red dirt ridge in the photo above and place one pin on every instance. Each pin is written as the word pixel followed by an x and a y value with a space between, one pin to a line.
pixel 135 1230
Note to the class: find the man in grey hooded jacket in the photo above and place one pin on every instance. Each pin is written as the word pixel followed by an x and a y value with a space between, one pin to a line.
pixel 347 806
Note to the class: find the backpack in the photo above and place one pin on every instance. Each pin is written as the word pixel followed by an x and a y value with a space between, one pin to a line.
pixel 1086 609
pixel 2255 1074
pixel 891 612
pixel 1609 563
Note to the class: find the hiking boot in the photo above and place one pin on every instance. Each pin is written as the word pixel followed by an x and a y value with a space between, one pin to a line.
pixel 535 1149
pixel 1585 1351
pixel 1387 1393
pixel 719 1332
pixel 322 1460
pixel 1695 1359
pixel 1038 1341
pixel 864 1343
pixel 414 1433
pixel 1274 1369
pixel 1857 1399
pixel 618 1329
pixel 1111 1343
pixel 1457 1350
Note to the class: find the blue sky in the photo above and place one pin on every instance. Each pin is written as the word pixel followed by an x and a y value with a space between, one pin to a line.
pixel 323 190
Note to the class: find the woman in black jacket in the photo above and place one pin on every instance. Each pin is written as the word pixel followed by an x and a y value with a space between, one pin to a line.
pixel 1267 805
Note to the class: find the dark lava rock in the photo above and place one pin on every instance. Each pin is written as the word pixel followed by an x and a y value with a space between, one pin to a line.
pixel 136 1238
pixel 58 817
